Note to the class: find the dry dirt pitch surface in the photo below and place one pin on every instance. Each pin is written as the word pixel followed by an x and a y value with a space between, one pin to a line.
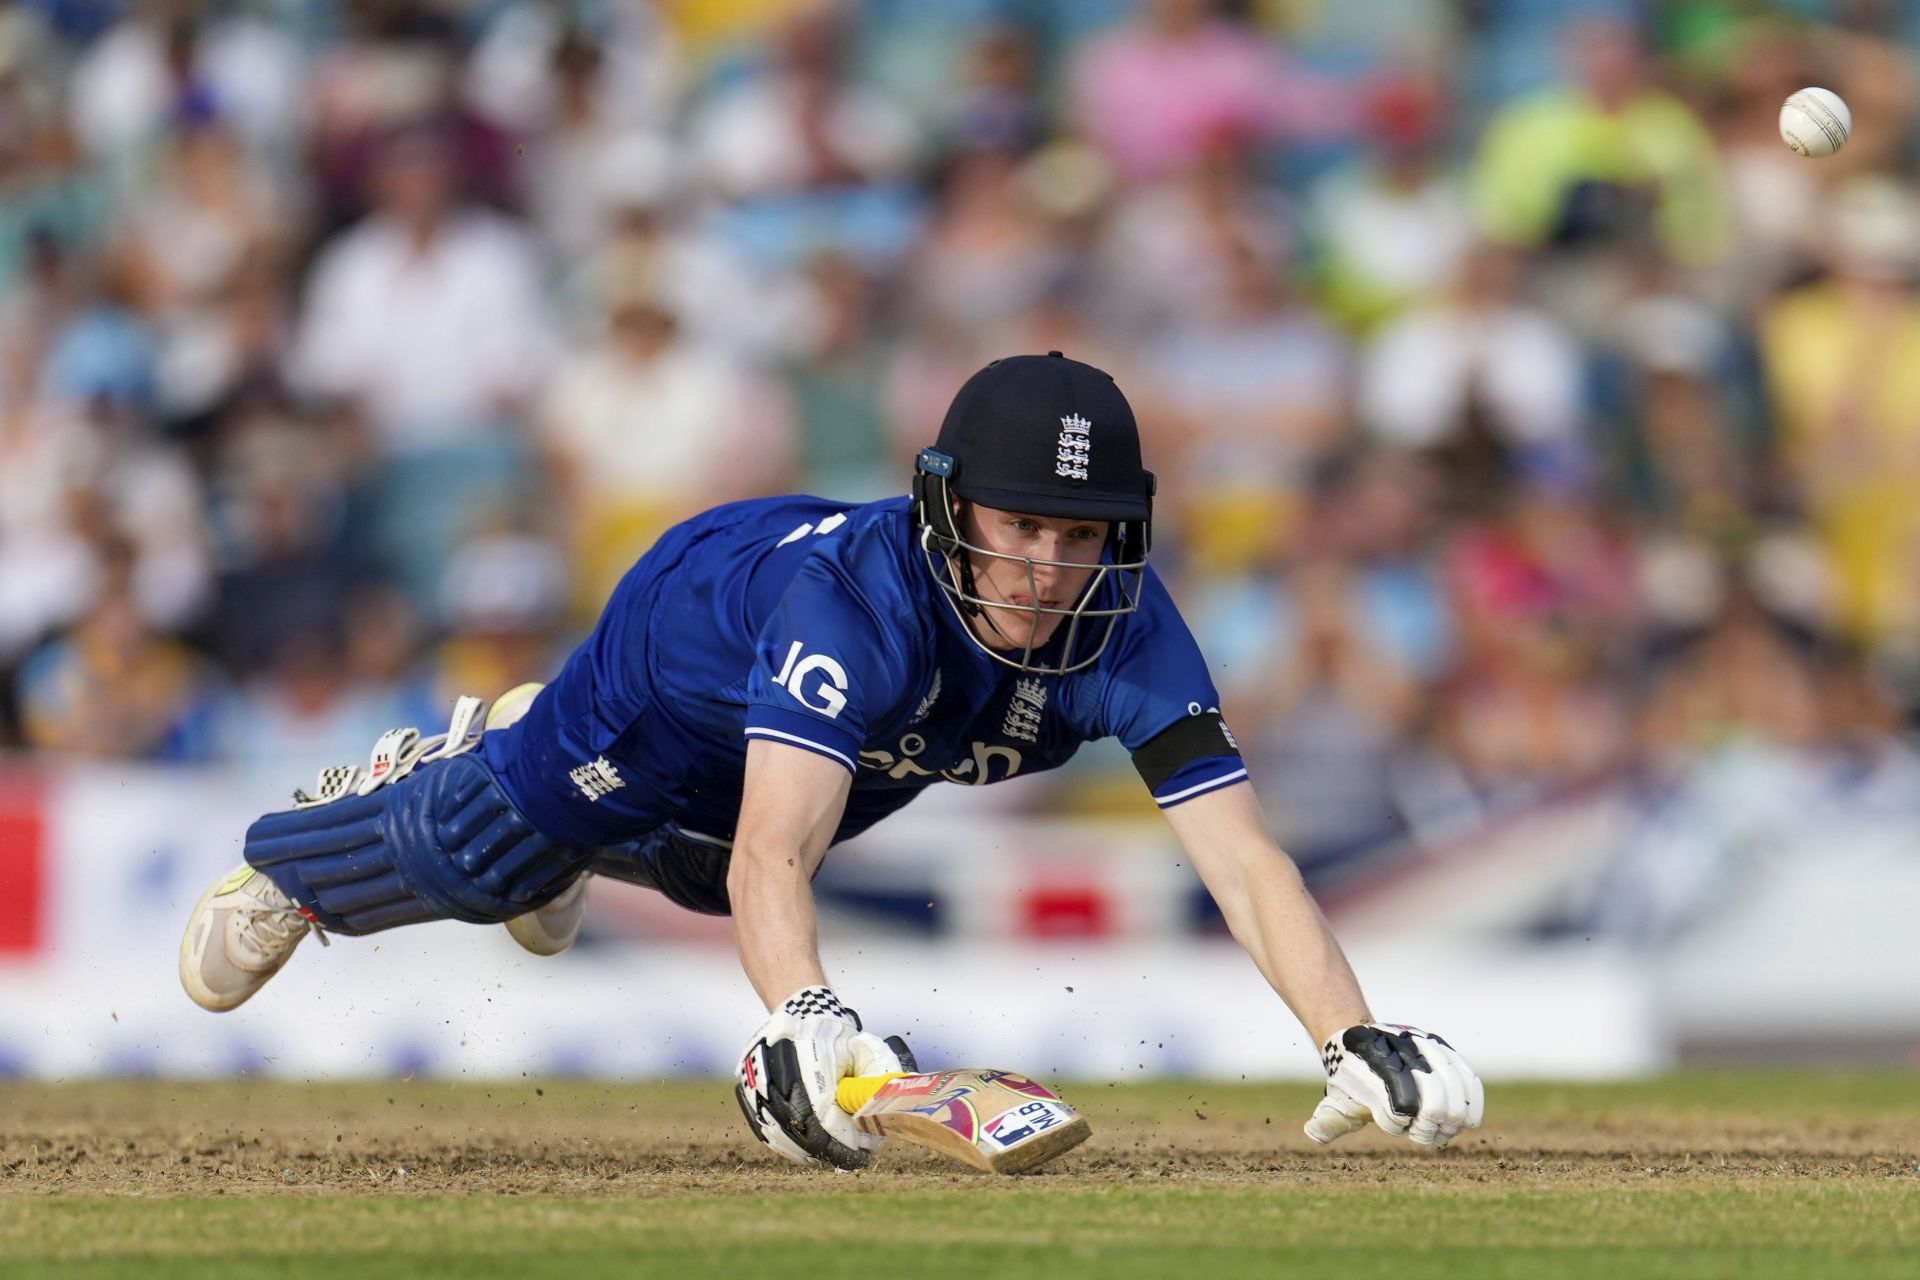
pixel 1739 1175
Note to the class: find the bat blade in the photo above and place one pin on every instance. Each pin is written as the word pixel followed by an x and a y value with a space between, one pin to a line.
pixel 994 1121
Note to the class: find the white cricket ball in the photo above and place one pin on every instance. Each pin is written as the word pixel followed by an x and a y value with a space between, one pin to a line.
pixel 1815 122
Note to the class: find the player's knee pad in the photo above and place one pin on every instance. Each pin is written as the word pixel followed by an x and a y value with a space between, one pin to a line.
pixel 443 843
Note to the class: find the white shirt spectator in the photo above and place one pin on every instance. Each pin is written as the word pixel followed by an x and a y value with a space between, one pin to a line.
pixel 687 421
pixel 750 141
pixel 123 93
pixel 434 341
pixel 1399 243
pixel 49 569
pixel 1419 374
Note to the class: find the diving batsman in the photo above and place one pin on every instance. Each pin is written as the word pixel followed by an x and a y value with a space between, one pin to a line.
pixel 775 676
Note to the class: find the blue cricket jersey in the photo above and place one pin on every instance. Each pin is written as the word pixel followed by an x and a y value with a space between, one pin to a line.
pixel 819 624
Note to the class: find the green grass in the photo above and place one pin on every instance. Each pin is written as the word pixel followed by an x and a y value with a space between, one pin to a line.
pixel 1748 1232
pixel 1748 1175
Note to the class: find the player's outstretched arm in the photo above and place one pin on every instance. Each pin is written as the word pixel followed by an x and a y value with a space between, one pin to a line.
pixel 1407 1081
pixel 789 810
pixel 791 804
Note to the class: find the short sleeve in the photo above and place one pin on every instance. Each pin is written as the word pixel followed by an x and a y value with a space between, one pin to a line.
pixel 834 659
pixel 1155 695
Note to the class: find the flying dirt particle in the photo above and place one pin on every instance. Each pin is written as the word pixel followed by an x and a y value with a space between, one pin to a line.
pixel 1069 990
pixel 1198 1114
pixel 539 1093
pixel 1269 1119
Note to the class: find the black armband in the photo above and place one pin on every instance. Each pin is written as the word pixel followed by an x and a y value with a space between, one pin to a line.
pixel 1190 738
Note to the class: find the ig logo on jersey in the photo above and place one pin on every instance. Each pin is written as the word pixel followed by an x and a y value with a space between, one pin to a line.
pixel 828 695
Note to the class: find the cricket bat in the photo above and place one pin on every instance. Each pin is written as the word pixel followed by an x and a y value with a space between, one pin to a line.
pixel 995 1121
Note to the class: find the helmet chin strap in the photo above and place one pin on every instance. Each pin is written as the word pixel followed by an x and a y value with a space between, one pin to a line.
pixel 986 615
pixel 969 585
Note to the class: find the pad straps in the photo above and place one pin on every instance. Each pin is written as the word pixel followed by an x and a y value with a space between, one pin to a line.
pixel 397 753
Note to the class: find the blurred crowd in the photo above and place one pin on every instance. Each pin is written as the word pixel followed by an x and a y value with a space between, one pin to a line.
pixel 1527 414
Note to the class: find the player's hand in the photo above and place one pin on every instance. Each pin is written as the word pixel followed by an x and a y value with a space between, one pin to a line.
pixel 788 1075
pixel 1408 1081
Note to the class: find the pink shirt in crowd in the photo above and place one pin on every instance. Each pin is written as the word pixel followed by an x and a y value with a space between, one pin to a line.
pixel 1154 102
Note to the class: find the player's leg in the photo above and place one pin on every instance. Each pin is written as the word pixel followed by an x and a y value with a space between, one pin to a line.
pixel 551 929
pixel 425 833
pixel 686 867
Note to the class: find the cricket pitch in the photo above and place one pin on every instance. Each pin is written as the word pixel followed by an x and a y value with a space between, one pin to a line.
pixel 1749 1174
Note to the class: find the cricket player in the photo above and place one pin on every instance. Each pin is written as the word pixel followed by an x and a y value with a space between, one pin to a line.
pixel 775 676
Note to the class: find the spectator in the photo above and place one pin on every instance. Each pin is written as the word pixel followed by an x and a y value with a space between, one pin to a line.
pixel 114 687
pixel 644 427
pixel 427 316
pixel 833 385
pixel 986 253
pixel 1543 594
pixel 204 215
pixel 289 568
pixel 797 126
pixel 1172 251
pixel 1476 358
pixel 997 105
pixel 592 153
pixel 166 59
pixel 239 415
pixel 504 602
pixel 1773 199
pixel 1247 400
pixel 1610 159
pixel 1330 726
pixel 1154 92
pixel 1392 226
pixel 1845 395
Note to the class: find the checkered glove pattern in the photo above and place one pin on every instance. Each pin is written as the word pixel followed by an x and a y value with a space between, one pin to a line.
pixel 787 1077
pixel 1410 1082
pixel 811 1001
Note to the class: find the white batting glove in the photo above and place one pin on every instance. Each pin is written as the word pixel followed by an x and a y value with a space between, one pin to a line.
pixel 1408 1081
pixel 787 1077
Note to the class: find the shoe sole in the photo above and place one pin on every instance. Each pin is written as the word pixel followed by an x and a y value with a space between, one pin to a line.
pixel 533 936
pixel 526 931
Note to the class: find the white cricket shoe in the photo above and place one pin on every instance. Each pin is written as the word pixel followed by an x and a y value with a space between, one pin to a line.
pixel 240 933
pixel 548 930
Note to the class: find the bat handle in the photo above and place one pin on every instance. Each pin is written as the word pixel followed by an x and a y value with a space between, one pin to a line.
pixel 855 1092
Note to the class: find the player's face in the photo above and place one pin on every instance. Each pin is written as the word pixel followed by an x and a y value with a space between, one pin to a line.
pixel 1072 543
